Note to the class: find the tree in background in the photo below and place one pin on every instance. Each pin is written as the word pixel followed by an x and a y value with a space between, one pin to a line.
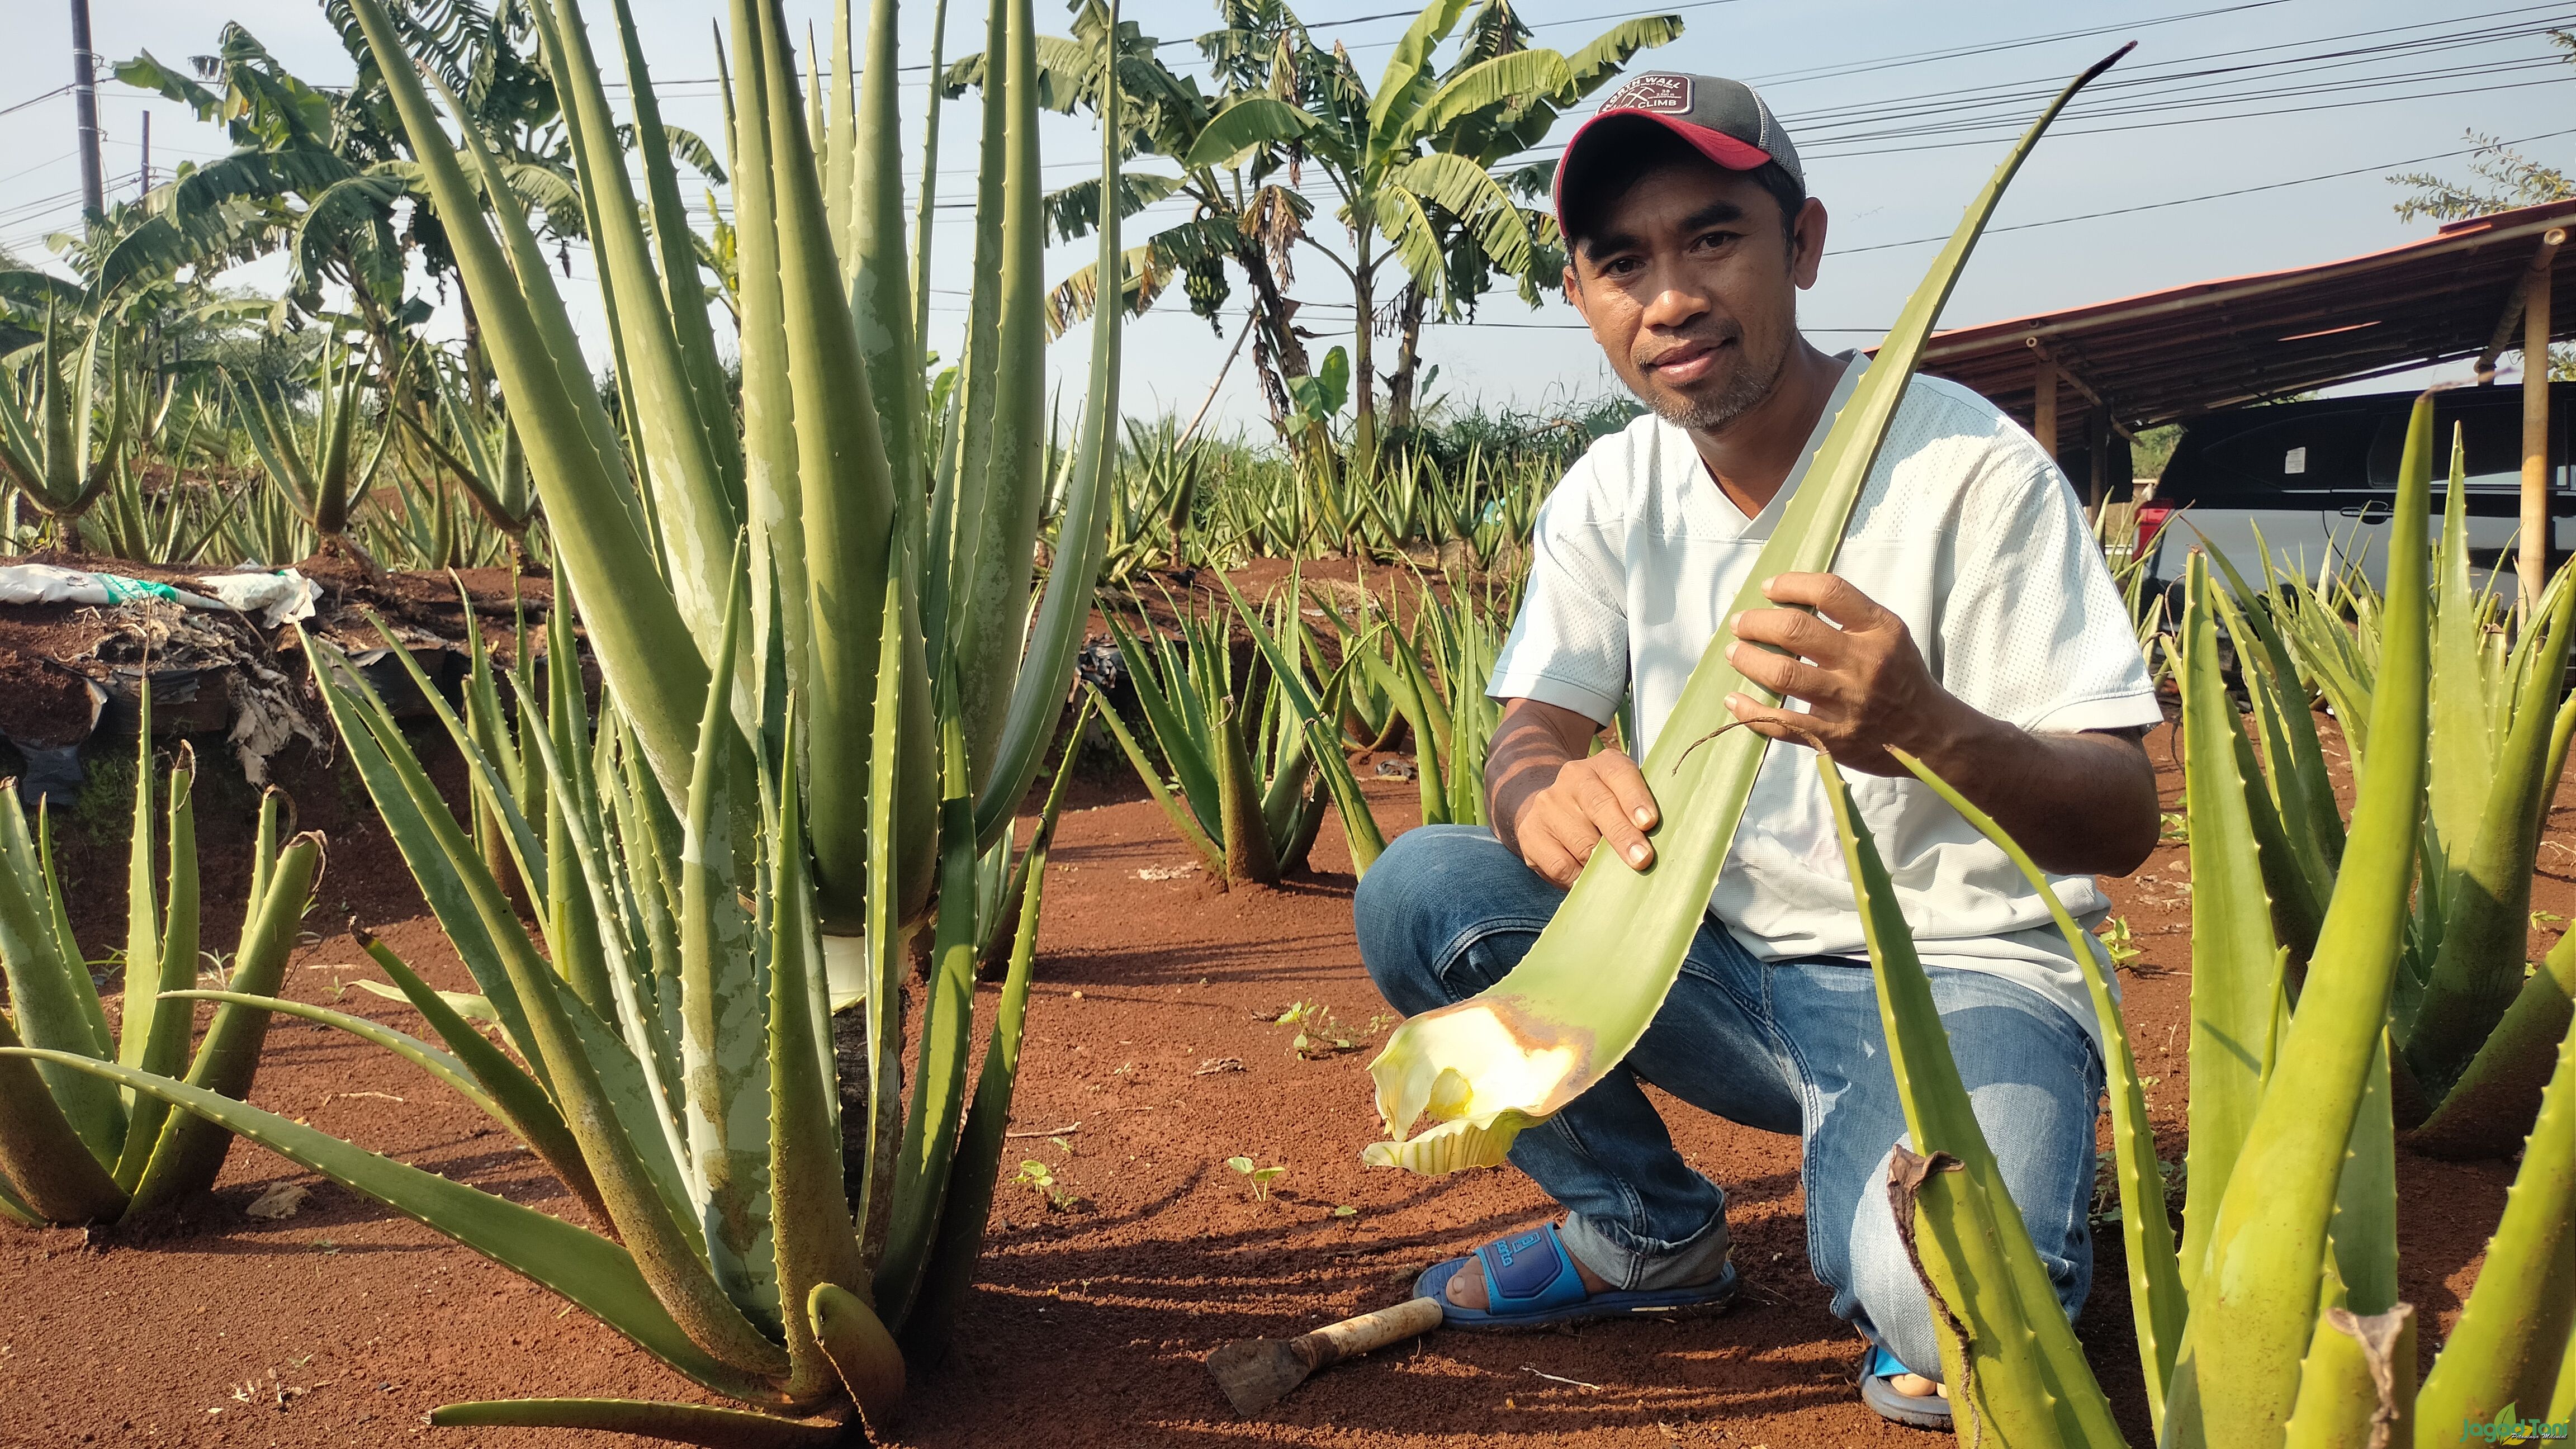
pixel 1413 164
pixel 2500 179
pixel 1491 138
pixel 321 175
pixel 1230 146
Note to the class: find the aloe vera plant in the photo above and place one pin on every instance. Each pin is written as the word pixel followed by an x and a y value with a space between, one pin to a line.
pixel 323 471
pixel 827 688
pixel 2277 1321
pixel 1459 630
pixel 1157 488
pixel 479 447
pixel 1248 799
pixel 2472 1025
pixel 1486 1067
pixel 2019 1372
pixel 1253 756
pixel 58 446
pixel 74 1149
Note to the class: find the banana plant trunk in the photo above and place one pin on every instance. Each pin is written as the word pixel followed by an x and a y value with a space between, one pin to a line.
pixel 1363 460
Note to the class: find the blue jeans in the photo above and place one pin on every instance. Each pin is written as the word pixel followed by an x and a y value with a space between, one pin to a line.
pixel 1784 1046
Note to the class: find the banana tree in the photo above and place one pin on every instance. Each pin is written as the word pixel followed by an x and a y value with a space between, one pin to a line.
pixel 1487 1067
pixel 1490 136
pixel 1411 163
pixel 829 689
pixel 73 1148
pixel 2277 1321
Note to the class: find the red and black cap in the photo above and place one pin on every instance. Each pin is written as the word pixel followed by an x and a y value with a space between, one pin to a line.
pixel 1724 120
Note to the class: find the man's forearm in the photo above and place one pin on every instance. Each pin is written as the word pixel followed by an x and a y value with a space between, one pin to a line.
pixel 2081 804
pixel 1528 749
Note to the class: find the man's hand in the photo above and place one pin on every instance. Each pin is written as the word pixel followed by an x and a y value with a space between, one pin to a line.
pixel 1865 684
pixel 2079 803
pixel 1553 804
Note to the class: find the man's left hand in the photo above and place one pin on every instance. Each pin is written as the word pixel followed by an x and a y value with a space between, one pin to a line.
pixel 1864 683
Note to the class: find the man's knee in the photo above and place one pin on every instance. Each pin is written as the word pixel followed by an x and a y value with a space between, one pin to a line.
pixel 1883 1290
pixel 1884 1287
pixel 1429 891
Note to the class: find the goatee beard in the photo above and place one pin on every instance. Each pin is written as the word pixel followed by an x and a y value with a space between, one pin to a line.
pixel 1742 394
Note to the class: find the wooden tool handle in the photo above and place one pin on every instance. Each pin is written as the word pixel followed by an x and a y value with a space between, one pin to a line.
pixel 1351 1337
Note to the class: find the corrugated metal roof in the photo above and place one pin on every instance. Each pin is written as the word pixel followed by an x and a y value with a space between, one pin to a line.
pixel 2162 356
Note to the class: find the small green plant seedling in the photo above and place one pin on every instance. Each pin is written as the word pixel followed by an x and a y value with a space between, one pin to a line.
pixel 1346 1211
pixel 1259 1177
pixel 2124 947
pixel 1037 1176
pixel 1319 1032
pixel 2173 827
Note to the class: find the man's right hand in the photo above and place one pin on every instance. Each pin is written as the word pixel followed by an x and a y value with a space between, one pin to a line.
pixel 1553 803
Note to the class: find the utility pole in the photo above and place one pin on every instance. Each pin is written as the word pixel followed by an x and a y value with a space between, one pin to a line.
pixel 143 182
pixel 85 110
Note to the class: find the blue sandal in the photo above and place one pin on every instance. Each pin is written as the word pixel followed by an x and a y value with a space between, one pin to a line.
pixel 1531 1282
pixel 1877 1366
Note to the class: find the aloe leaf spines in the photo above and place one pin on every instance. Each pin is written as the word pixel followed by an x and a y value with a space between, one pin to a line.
pixel 2255 1302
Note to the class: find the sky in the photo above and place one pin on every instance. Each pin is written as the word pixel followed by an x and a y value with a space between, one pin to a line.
pixel 2240 136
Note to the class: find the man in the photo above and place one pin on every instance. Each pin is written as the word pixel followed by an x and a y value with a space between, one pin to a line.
pixel 1969 619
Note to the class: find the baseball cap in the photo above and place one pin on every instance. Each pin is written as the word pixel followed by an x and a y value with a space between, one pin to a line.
pixel 1724 120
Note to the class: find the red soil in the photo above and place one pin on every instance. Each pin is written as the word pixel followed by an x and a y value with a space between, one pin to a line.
pixel 343 1324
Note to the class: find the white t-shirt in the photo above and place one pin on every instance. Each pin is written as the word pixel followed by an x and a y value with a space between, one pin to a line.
pixel 1967 531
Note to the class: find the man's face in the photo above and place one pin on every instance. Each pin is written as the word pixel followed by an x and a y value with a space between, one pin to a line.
pixel 1690 286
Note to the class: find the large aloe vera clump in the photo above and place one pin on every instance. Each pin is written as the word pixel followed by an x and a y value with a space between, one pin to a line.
pixel 824 702
pixel 1516 1053
pixel 2472 1026
pixel 74 1149
pixel 2276 1320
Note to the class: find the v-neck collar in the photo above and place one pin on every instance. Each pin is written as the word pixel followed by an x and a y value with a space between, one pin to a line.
pixel 1725 510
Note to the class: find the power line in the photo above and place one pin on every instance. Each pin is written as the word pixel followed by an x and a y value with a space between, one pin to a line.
pixel 60 90
pixel 660 86
pixel 2175 93
pixel 2206 196
pixel 2009 101
pixel 2097 215
pixel 2165 73
pixel 1988 140
pixel 1827 150
pixel 1826 134
pixel 41 165
pixel 1925 57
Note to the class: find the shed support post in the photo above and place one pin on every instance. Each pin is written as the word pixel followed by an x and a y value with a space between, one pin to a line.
pixel 2533 565
pixel 2043 401
pixel 2097 447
